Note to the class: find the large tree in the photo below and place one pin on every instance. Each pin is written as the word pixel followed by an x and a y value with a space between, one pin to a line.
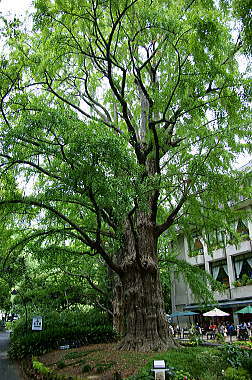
pixel 124 118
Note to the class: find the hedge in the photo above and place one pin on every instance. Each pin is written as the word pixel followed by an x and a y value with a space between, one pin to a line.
pixel 73 330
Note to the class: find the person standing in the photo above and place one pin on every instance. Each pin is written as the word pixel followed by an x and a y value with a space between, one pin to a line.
pixel 243 331
pixel 230 331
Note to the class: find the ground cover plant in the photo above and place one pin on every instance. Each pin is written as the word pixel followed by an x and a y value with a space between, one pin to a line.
pixel 105 360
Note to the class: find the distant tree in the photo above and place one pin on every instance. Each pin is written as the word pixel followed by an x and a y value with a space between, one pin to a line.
pixel 124 118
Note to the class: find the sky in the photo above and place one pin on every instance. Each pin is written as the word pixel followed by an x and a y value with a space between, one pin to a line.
pixel 14 7
pixel 19 8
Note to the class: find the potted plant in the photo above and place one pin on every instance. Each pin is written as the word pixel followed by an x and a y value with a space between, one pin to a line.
pixel 236 283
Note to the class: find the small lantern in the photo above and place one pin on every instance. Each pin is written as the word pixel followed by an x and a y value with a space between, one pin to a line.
pixel 159 369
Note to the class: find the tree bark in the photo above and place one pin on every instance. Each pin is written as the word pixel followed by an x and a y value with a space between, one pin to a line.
pixel 139 307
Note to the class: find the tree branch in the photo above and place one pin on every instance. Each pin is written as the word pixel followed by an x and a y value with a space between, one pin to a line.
pixel 169 221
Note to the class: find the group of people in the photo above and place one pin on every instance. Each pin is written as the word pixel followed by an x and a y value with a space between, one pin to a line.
pixel 242 331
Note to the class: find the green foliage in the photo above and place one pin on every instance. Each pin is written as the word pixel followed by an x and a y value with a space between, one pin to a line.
pixel 200 281
pixel 243 343
pixel 235 355
pixel 181 375
pixel 61 364
pixel 47 373
pixel 237 283
pixel 242 10
pixel 112 111
pixel 9 325
pixel 220 338
pixel 74 355
pixel 86 368
pixel 247 364
pixel 74 328
pixel 244 279
pixel 102 367
pixel 40 342
pixel 40 367
pixel 194 362
pixel 236 374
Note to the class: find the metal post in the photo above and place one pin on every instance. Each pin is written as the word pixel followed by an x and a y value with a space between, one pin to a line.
pixel 14 292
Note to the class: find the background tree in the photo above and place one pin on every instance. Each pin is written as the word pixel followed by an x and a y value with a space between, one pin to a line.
pixel 126 118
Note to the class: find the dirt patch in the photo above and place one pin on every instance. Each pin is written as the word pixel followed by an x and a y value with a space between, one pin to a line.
pixel 100 361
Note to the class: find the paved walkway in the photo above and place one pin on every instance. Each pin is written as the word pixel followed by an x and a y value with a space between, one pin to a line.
pixel 8 370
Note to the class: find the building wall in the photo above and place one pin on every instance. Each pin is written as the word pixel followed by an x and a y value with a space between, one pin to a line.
pixel 183 299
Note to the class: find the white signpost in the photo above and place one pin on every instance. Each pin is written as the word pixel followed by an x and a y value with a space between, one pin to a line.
pixel 37 323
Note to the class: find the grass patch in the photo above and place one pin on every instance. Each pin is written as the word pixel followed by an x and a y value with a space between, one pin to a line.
pixel 77 354
pixel 61 364
pixel 102 367
pixel 198 363
pixel 86 368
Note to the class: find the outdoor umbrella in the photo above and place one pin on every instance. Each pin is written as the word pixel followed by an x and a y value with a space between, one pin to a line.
pixel 182 314
pixel 245 310
pixel 215 313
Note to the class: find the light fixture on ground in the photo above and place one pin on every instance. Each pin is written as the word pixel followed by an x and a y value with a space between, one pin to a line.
pixel 160 370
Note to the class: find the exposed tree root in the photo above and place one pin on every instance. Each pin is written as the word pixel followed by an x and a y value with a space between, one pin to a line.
pixel 144 345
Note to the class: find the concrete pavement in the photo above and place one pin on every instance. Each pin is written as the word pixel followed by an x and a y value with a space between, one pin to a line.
pixel 8 369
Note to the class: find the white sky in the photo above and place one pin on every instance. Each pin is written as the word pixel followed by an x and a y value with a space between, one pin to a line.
pixel 20 7
pixel 14 7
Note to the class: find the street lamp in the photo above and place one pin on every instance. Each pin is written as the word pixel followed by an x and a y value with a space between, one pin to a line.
pixel 15 292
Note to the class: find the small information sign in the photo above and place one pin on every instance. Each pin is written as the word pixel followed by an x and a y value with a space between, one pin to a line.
pixel 37 323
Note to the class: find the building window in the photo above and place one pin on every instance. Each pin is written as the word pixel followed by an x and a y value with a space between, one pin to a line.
pixel 219 271
pixel 195 245
pixel 198 246
pixel 243 266
pixel 242 229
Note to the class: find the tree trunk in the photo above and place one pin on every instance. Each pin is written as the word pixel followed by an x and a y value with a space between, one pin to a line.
pixel 140 298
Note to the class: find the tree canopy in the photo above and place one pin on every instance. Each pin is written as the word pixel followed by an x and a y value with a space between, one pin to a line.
pixel 120 121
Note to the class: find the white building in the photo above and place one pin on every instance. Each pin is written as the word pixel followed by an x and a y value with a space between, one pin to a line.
pixel 230 264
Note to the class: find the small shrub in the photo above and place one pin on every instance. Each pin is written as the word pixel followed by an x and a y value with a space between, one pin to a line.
pixel 86 368
pixel 181 375
pixel 40 367
pixel 244 279
pixel 247 364
pixel 99 368
pixel 237 283
pixel 74 355
pixel 75 330
pixel 243 343
pixel 8 325
pixel 236 374
pixel 220 338
pixel 234 355
pixel 61 364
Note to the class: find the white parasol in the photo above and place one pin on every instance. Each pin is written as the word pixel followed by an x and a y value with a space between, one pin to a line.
pixel 215 313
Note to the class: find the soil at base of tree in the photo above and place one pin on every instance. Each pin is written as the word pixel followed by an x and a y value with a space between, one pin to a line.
pixel 103 360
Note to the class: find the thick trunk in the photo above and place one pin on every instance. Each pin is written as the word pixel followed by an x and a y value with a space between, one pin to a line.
pixel 139 301
pixel 118 308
